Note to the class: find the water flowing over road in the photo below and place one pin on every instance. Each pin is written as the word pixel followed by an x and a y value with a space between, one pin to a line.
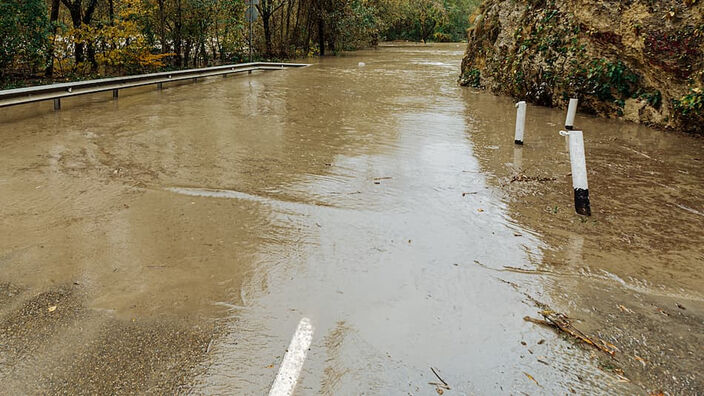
pixel 175 240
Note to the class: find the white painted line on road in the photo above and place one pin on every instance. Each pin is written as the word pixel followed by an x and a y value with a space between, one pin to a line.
pixel 291 367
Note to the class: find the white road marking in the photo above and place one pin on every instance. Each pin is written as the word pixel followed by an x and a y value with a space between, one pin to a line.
pixel 291 367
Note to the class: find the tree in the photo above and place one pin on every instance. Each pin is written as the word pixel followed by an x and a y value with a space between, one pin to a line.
pixel 80 17
pixel 425 15
pixel 89 37
pixel 53 26
pixel 266 9
pixel 24 35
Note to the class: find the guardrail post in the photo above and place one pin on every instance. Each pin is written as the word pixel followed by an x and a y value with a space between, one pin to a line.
pixel 115 93
pixel 57 104
pixel 159 86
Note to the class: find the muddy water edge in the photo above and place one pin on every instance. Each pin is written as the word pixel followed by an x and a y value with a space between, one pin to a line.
pixel 168 242
pixel 631 273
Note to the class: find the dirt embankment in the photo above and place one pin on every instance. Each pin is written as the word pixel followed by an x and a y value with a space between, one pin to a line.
pixel 641 60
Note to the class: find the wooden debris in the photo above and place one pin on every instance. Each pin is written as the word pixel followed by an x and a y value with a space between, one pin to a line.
pixel 562 322
pixel 624 309
pixel 640 359
pixel 524 178
pixel 531 378
pixel 537 321
pixel 443 384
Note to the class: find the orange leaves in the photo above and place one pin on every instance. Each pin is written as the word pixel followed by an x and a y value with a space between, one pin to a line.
pixel 153 60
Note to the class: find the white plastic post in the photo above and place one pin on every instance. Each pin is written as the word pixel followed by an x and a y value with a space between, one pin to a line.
pixel 569 121
pixel 579 172
pixel 571 113
pixel 520 122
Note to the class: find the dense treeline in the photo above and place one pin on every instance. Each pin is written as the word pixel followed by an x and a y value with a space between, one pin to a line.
pixel 52 39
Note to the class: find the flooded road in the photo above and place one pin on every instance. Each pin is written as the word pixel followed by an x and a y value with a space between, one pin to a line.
pixel 173 241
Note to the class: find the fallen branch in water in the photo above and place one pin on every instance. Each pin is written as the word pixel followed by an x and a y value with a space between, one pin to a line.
pixel 524 178
pixel 538 321
pixel 561 322
pixel 443 385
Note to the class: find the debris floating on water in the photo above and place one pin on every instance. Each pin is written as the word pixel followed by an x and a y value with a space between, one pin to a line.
pixel 531 378
pixel 562 322
pixel 439 386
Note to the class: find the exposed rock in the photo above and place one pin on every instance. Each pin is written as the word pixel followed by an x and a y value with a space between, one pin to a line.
pixel 642 60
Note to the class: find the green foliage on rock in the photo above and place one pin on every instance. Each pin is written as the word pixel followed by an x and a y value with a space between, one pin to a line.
pixel 689 109
pixel 471 78
pixel 620 60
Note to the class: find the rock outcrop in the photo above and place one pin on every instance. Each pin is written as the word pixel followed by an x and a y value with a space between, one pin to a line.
pixel 641 60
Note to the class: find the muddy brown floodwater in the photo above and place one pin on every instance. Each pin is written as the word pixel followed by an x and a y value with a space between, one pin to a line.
pixel 171 241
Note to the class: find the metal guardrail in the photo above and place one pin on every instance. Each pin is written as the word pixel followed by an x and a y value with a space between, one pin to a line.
pixel 55 92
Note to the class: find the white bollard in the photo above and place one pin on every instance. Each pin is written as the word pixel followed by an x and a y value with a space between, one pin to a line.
pixel 520 122
pixel 569 121
pixel 579 172
pixel 571 113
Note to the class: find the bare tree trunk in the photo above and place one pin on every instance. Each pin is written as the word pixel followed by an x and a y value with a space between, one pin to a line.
pixel 178 45
pixel 321 29
pixel 53 18
pixel 287 44
pixel 296 27
pixel 162 27
pixel 267 33
pixel 309 30
pixel 74 10
pixel 87 17
pixel 281 32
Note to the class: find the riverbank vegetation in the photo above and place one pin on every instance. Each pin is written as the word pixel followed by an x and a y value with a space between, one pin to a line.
pixel 48 40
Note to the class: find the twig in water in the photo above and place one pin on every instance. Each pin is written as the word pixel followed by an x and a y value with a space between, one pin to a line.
pixel 441 380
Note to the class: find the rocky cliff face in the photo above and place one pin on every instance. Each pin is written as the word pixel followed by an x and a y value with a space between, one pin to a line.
pixel 642 60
